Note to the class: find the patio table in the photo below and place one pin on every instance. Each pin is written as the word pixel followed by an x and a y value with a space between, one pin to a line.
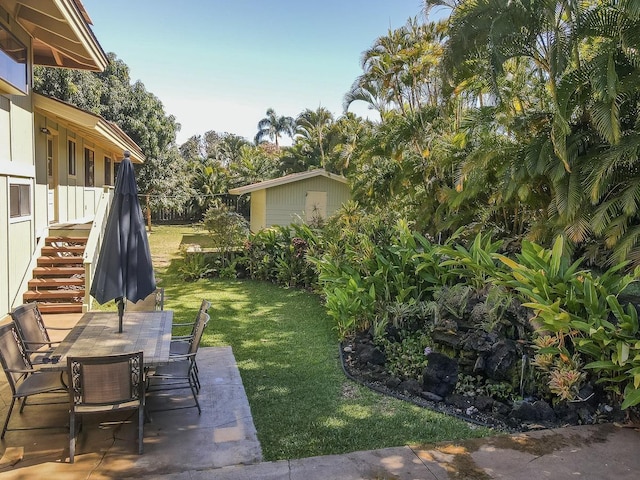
pixel 96 333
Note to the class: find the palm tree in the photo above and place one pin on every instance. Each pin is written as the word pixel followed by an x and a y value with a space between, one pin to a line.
pixel 314 127
pixel 273 126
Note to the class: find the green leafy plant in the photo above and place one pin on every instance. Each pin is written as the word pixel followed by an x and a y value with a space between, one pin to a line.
pixel 194 264
pixel 406 358
pixel 582 312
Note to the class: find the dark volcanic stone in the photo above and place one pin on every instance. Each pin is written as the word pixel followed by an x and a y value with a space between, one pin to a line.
pixel 370 354
pixel 499 363
pixel 440 375
pixel 410 386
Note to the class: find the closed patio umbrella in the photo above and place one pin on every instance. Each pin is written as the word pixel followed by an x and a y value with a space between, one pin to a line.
pixel 124 270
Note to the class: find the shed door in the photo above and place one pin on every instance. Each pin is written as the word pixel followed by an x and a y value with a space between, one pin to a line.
pixel 315 206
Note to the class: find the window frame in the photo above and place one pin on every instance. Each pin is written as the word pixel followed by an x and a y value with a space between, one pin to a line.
pixel 107 170
pixel 15 63
pixel 89 167
pixel 24 192
pixel 72 164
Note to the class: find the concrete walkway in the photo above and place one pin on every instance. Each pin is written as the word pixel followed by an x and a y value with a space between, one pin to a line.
pixel 590 452
pixel 222 444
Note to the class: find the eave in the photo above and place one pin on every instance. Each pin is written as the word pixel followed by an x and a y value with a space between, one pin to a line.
pixel 294 177
pixel 101 132
pixel 60 31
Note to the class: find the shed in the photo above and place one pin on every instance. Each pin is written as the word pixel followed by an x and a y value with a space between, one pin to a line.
pixel 295 198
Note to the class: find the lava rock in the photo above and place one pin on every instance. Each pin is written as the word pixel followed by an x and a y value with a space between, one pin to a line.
pixel 411 387
pixel 500 362
pixel 369 354
pixel 461 402
pixel 483 403
pixel 538 411
pixel 440 375
pixel 431 396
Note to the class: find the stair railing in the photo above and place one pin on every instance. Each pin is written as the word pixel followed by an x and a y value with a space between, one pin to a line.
pixel 94 242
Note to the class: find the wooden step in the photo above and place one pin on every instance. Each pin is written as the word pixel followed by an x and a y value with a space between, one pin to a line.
pixel 58 294
pixel 55 282
pixel 49 307
pixel 55 260
pixel 67 240
pixel 52 250
pixel 57 271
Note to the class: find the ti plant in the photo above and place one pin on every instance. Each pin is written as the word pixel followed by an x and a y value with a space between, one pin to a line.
pixel 582 312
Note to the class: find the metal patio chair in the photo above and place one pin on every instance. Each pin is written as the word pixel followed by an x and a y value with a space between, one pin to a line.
pixel 176 347
pixel 180 343
pixel 153 301
pixel 179 373
pixel 23 379
pixel 105 384
pixel 33 332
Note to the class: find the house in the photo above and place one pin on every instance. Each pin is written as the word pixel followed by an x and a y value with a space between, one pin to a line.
pixel 57 162
pixel 295 198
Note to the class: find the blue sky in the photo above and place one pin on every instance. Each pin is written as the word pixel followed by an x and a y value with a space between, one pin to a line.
pixel 219 64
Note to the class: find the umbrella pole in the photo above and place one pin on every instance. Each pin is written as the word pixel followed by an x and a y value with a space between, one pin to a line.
pixel 120 303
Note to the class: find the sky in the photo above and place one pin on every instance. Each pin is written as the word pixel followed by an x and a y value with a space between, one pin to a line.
pixel 220 64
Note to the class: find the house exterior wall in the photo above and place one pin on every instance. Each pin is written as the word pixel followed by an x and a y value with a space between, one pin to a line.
pixel 75 200
pixel 23 161
pixel 258 210
pixel 285 204
pixel 17 235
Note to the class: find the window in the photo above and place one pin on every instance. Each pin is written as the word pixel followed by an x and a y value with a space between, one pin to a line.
pixel 20 200
pixel 72 158
pixel 50 158
pixel 13 63
pixel 107 171
pixel 88 167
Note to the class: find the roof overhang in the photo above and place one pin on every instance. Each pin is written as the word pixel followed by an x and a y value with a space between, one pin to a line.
pixel 60 32
pixel 93 127
pixel 294 177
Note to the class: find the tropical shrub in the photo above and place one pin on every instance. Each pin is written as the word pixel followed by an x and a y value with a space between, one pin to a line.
pixel 227 229
pixel 194 264
pixel 280 254
pixel 579 320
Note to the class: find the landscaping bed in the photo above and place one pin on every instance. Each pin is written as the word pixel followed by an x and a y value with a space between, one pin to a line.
pixel 363 362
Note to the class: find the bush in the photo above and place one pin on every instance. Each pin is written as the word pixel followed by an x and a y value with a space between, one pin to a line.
pixel 280 254
pixel 194 264
pixel 228 231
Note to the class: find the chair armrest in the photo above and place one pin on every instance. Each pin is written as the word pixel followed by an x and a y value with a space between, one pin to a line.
pixel 178 357
pixel 182 324
pixel 181 338
pixel 21 370
pixel 40 343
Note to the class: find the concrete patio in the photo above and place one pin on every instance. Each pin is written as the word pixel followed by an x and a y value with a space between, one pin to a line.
pixel 174 440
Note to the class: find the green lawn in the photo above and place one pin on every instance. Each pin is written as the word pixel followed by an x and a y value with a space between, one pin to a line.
pixel 287 352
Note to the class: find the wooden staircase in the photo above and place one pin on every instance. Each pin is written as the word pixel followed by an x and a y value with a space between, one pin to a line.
pixel 58 280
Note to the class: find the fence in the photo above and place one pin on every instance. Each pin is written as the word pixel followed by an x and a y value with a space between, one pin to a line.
pixel 193 215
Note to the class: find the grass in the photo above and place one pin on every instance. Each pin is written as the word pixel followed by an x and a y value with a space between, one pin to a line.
pixel 287 353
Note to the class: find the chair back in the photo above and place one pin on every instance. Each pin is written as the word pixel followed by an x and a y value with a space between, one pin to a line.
pixel 106 380
pixel 31 327
pixel 201 323
pixel 13 356
pixel 152 302
pixel 205 306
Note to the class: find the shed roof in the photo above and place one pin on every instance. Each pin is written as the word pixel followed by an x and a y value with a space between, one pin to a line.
pixel 294 177
pixel 93 127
